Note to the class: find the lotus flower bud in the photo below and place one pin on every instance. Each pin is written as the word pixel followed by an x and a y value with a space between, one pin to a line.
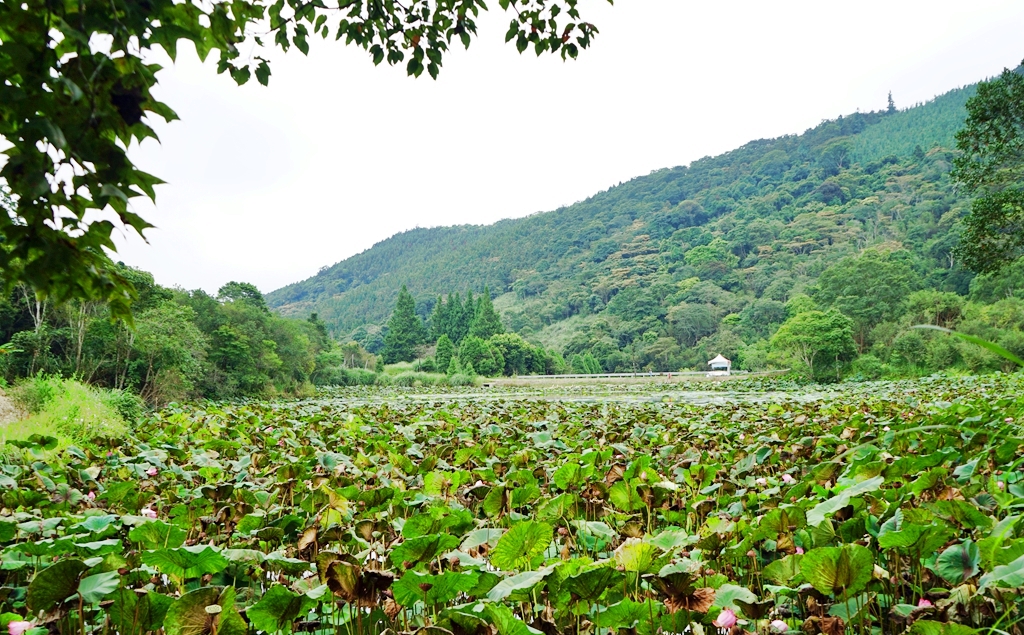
pixel 725 619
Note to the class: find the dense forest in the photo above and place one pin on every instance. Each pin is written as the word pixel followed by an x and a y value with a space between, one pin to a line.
pixel 180 344
pixel 853 222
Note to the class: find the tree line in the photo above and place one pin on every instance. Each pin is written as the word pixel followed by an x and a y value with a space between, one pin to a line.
pixel 179 345
pixel 462 338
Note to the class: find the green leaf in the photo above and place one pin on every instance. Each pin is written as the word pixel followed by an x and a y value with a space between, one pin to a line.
pixel 636 555
pixel 96 587
pixel 479 537
pixel 958 563
pixel 506 623
pixel 189 615
pixel 278 608
pixel 520 582
pixel 422 549
pixel 522 545
pixel 928 627
pixel 783 571
pixel 902 538
pixel 842 499
pixel 156 534
pixel 1009 575
pixel 53 585
pixel 727 595
pixel 591 584
pixel 432 589
pixel 186 562
pixel 135 613
pixel 837 570
pixel 625 497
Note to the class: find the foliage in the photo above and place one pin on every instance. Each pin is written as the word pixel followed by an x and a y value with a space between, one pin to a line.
pixel 180 345
pixel 990 164
pixel 893 505
pixel 405 331
pixel 70 412
pixel 77 91
pixel 819 341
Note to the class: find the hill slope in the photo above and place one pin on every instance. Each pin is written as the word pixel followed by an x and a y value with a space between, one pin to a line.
pixel 732 236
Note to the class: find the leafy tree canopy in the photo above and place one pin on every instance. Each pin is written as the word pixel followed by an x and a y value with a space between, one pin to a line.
pixel 76 91
pixel 991 164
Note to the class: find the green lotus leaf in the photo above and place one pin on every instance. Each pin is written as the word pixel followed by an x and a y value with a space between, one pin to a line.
pixel 54 584
pixel 842 499
pixel 522 545
pixel 186 562
pixel 519 582
pixel 96 587
pixel 958 563
pixel 137 612
pixel 416 587
pixel 838 570
pixel 278 609
pixel 205 611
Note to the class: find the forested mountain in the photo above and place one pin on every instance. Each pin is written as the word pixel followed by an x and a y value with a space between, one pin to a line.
pixel 669 268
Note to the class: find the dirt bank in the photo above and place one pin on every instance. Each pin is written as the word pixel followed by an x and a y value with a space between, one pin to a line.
pixel 8 410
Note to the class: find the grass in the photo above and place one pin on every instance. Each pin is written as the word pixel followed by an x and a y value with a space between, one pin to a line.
pixel 70 411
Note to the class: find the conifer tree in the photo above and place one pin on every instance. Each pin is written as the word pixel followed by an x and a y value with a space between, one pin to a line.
pixel 892 105
pixel 438 319
pixel 445 352
pixel 486 321
pixel 460 329
pixel 405 330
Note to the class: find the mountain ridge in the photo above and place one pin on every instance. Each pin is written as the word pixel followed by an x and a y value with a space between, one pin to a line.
pixel 809 200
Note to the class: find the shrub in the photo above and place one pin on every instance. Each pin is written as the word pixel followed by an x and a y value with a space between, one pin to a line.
pixel 127 404
pixel 72 412
pixel 414 378
pixel 460 379
pixel 34 393
pixel 868 367
pixel 357 377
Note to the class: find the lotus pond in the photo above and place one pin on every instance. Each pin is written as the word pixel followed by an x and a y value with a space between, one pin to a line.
pixel 863 508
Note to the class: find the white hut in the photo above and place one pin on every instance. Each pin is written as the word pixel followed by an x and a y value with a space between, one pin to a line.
pixel 719 366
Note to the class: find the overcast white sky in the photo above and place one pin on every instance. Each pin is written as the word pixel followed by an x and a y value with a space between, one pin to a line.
pixel 266 185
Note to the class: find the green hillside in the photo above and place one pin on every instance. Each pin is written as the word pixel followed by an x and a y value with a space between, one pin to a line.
pixel 667 268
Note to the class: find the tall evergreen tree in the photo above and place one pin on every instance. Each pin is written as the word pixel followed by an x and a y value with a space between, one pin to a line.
pixel 486 321
pixel 445 352
pixel 439 319
pixel 460 329
pixel 892 105
pixel 405 330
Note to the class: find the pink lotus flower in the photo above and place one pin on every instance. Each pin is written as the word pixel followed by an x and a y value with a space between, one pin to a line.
pixel 280 443
pixel 147 512
pixel 778 626
pixel 18 627
pixel 800 550
pixel 923 603
pixel 725 619
pixel 1009 420
pixel 91 496
pixel 152 471
pixel 1000 485
pixel 761 481
pixel 788 479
